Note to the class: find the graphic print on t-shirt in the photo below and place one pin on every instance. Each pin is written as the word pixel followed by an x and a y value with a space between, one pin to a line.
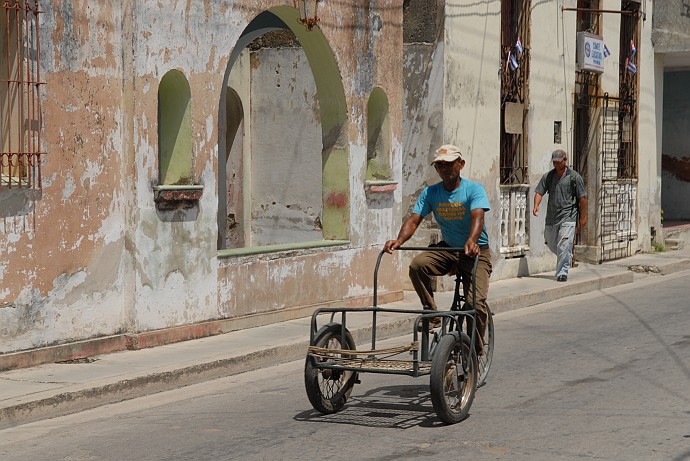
pixel 450 211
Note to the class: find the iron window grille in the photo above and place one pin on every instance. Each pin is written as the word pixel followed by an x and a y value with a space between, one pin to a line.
pixel 628 89
pixel 20 102
pixel 514 182
pixel 515 20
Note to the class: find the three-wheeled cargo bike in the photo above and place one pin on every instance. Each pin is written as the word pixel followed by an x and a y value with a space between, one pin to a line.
pixel 447 354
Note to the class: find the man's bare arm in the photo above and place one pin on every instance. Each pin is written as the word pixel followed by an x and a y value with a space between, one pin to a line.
pixel 537 201
pixel 406 231
pixel 471 246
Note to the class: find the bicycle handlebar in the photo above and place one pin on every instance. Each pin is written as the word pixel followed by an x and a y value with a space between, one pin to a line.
pixel 452 249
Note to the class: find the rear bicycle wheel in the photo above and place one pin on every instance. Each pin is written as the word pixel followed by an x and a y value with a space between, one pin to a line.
pixel 453 387
pixel 329 389
pixel 484 360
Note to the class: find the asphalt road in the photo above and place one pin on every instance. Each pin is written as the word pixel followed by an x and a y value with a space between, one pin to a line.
pixel 599 376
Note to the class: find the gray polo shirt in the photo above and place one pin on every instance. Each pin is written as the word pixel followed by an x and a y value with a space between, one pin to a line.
pixel 562 205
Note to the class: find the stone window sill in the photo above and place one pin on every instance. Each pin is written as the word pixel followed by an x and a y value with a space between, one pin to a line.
pixel 378 187
pixel 284 248
pixel 174 197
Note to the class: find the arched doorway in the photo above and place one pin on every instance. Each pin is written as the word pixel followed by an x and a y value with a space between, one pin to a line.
pixel 264 148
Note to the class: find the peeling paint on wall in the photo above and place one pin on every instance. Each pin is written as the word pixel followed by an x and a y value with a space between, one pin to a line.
pixel 93 256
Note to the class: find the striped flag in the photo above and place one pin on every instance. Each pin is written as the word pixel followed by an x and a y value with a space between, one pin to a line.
pixel 607 53
pixel 518 46
pixel 630 66
pixel 633 50
pixel 512 61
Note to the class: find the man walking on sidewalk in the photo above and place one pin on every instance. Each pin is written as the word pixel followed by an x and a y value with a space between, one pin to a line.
pixel 458 205
pixel 567 200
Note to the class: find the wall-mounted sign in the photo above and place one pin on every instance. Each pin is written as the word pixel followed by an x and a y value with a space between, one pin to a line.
pixel 514 116
pixel 590 52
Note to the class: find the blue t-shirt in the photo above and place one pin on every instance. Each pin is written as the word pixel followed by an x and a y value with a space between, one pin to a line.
pixel 452 210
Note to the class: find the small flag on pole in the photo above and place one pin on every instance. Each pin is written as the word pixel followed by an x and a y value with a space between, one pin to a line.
pixel 512 61
pixel 633 50
pixel 518 46
pixel 630 66
pixel 607 53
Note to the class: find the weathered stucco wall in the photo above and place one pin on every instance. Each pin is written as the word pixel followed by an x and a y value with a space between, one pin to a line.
pixel 175 289
pixel 174 251
pixel 234 163
pixel 64 265
pixel 273 283
pixel 374 31
pixel 649 168
pixel 671 23
pixel 93 255
pixel 286 149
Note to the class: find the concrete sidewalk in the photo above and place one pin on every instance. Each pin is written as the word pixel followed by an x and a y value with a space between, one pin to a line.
pixel 51 390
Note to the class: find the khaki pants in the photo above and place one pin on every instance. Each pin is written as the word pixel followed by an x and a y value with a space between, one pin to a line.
pixel 436 263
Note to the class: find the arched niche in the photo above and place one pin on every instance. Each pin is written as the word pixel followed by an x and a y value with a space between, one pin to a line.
pixel 378 137
pixel 174 129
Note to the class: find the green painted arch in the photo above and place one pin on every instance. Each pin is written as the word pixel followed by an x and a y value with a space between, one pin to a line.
pixel 174 129
pixel 333 112
pixel 378 137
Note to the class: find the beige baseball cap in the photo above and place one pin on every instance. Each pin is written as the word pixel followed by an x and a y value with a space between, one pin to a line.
pixel 447 153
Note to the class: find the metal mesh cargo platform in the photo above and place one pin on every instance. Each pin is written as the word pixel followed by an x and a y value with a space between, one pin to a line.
pixel 347 359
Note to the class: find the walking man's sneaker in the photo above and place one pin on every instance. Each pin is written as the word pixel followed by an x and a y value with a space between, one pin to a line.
pixel 562 278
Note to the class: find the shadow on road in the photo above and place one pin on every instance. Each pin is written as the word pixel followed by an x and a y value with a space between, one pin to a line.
pixel 397 407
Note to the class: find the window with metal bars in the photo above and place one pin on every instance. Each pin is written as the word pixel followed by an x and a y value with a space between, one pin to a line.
pixel 514 182
pixel 587 92
pixel 514 90
pixel 588 16
pixel 20 103
pixel 628 89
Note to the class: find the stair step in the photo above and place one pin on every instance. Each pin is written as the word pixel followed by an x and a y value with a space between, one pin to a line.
pixel 674 244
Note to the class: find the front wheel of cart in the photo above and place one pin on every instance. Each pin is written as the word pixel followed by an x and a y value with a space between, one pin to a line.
pixel 453 377
pixel 328 389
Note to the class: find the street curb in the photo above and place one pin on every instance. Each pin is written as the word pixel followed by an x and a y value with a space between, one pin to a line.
pixel 676 266
pixel 508 303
